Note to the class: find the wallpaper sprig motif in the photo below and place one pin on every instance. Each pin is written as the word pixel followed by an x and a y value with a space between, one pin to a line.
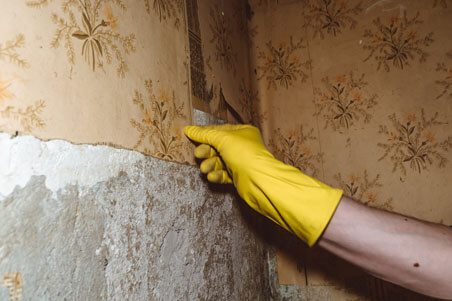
pixel 166 9
pixel 9 49
pixel 293 148
pixel 221 29
pixel 364 189
pixel 100 41
pixel 13 282
pixel 344 101
pixel 330 17
pixel 249 106
pixel 29 118
pixel 446 82
pixel 397 42
pixel 159 111
pixel 281 66
pixel 412 143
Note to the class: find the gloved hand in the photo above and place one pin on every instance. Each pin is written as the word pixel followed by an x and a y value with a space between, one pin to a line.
pixel 293 200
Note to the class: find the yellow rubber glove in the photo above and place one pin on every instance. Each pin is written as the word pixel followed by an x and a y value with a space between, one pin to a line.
pixel 293 200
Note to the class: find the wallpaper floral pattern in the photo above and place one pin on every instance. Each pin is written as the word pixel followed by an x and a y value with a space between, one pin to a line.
pixel 377 73
pixel 221 37
pixel 29 117
pixel 94 24
pixel 412 142
pixel 344 101
pixel 75 70
pixel 250 105
pixel 282 65
pixel 397 42
pixel 364 188
pixel 445 83
pixel 313 75
pixel 328 17
pixel 293 148
pixel 158 114
pixel 9 51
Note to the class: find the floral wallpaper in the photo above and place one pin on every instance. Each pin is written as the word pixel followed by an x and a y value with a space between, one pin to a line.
pixel 97 71
pixel 358 94
pixel 397 42
pixel 281 66
pixel 412 143
pixel 326 17
pixel 124 73
pixel 344 101
pixel 158 113
pixel 28 117
pixel 95 26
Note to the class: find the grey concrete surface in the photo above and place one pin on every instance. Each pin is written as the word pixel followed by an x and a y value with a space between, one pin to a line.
pixel 146 229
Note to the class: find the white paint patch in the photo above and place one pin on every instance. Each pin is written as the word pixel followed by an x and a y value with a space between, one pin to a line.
pixel 61 162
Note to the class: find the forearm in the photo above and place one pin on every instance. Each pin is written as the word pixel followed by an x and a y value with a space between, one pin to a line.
pixel 402 250
pixel 412 253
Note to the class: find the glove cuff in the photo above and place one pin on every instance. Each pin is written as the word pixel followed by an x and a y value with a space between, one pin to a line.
pixel 299 203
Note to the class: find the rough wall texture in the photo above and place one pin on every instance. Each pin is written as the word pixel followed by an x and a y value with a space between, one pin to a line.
pixel 144 229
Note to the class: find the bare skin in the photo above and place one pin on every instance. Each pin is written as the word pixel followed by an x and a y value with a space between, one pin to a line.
pixel 411 253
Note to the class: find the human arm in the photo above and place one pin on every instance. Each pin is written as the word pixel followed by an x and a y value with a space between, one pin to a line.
pixel 399 249
pixel 375 240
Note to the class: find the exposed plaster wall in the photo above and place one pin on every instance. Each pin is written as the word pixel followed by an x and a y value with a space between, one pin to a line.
pixel 61 163
pixel 99 223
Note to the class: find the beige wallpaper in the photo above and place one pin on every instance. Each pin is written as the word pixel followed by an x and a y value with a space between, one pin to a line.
pixel 358 93
pixel 97 71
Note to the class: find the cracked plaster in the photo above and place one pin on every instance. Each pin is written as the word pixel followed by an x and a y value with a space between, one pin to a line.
pixel 86 222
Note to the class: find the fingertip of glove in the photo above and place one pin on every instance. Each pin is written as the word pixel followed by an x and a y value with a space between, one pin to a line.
pixel 188 129
pixel 204 151
pixel 219 177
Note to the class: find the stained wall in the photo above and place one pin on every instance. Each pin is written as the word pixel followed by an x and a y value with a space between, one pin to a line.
pixel 358 94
